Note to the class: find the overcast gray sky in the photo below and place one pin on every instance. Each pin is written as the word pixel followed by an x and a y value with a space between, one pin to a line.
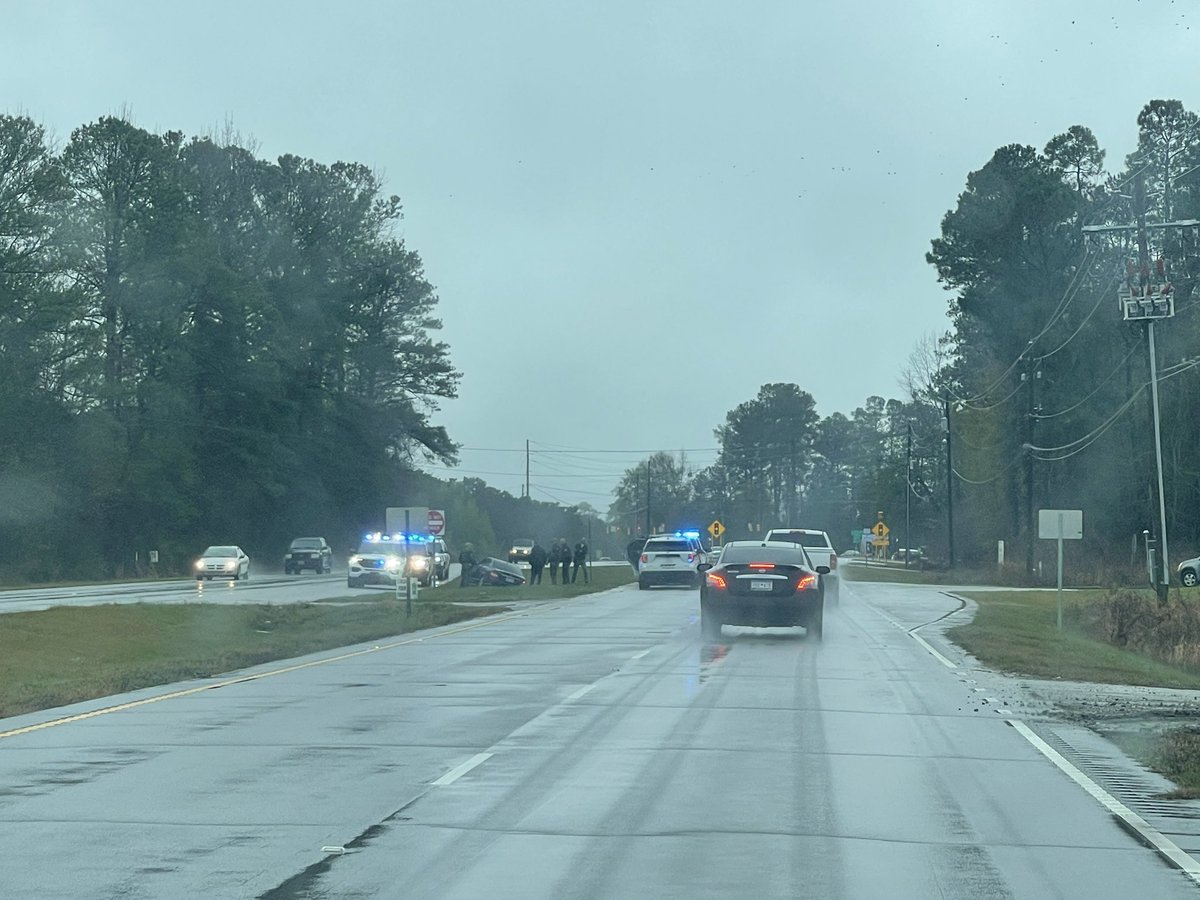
pixel 635 213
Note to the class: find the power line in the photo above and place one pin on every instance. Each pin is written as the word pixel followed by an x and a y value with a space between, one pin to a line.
pixel 1115 370
pixel 1072 288
pixel 1103 295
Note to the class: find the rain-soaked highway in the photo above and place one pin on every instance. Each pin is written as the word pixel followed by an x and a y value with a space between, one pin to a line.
pixel 593 748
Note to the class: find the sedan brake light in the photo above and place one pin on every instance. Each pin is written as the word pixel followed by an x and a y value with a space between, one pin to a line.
pixel 806 582
pixel 715 580
pixel 762 565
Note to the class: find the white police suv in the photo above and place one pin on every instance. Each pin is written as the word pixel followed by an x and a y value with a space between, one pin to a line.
pixel 386 558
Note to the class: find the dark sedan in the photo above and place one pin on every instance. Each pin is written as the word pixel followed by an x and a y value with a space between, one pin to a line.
pixel 766 584
pixel 494 572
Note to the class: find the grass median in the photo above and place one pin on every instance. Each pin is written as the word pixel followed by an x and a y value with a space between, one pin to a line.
pixel 1015 631
pixel 72 653
pixel 602 578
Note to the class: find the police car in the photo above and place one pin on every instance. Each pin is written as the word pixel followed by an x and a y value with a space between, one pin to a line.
pixel 387 558
pixel 671 559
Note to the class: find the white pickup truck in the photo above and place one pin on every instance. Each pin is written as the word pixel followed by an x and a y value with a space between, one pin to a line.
pixel 820 551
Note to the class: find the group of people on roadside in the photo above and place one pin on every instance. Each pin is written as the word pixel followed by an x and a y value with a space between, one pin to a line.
pixel 559 557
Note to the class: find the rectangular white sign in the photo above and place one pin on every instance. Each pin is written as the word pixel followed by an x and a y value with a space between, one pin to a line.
pixel 418 518
pixel 1060 523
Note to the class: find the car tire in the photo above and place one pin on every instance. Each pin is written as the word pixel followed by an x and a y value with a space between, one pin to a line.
pixel 815 628
pixel 246 577
pixel 642 584
pixel 351 581
pixel 710 626
pixel 1189 578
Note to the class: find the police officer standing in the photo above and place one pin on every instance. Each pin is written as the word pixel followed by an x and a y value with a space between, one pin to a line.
pixel 581 555
pixel 555 557
pixel 564 554
pixel 466 559
pixel 537 562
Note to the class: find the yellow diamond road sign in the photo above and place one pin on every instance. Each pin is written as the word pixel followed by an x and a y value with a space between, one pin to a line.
pixel 880 530
pixel 716 529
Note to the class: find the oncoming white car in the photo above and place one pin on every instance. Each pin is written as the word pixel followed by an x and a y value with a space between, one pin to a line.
pixel 223 562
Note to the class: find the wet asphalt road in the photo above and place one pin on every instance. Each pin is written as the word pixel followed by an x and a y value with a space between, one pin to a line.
pixel 260 588
pixel 595 748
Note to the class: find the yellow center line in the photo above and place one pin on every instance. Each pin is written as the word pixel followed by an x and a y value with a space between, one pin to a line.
pixel 242 679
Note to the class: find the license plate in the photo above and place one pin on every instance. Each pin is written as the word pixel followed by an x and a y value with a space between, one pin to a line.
pixel 760 585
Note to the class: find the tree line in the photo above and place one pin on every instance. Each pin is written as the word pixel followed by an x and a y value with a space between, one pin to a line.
pixel 199 345
pixel 1041 385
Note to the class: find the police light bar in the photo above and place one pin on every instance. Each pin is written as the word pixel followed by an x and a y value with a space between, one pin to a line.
pixel 687 534
pixel 376 537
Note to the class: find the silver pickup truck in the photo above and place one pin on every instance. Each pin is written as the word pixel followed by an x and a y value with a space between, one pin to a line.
pixel 820 551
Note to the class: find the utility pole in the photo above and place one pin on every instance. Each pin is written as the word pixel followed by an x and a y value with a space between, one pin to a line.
pixel 908 497
pixel 649 527
pixel 527 468
pixel 1031 374
pixel 1143 245
pixel 1148 301
pixel 949 481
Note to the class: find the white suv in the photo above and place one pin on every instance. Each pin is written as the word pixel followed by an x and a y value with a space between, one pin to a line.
pixel 670 559
pixel 820 551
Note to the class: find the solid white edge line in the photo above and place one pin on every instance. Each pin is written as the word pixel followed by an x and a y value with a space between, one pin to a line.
pixel 462 769
pixel 575 695
pixel 933 651
pixel 641 654
pixel 1151 835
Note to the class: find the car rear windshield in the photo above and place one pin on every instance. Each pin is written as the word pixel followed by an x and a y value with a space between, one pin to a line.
pixel 803 538
pixel 780 556
pixel 667 547
pixel 306 544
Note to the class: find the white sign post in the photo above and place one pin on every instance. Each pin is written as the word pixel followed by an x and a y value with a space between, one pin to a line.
pixel 1060 525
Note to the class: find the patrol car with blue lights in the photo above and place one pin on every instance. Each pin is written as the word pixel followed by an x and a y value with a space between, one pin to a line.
pixel 386 558
pixel 671 559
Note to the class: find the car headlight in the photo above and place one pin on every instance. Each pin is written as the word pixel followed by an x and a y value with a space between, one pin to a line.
pixel 356 560
pixel 199 564
pixel 392 564
pixel 232 564
pixel 419 562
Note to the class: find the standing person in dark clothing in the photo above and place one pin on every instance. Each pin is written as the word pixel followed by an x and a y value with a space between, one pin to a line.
pixel 564 555
pixel 555 556
pixel 581 557
pixel 466 559
pixel 537 562
pixel 633 552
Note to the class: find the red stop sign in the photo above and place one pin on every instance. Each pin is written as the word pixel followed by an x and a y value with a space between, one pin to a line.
pixel 436 523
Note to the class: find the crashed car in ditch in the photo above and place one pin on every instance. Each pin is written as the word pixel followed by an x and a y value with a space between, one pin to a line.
pixel 491 571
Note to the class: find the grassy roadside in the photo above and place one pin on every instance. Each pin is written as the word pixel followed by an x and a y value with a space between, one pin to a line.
pixel 888 573
pixel 1014 631
pixel 67 654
